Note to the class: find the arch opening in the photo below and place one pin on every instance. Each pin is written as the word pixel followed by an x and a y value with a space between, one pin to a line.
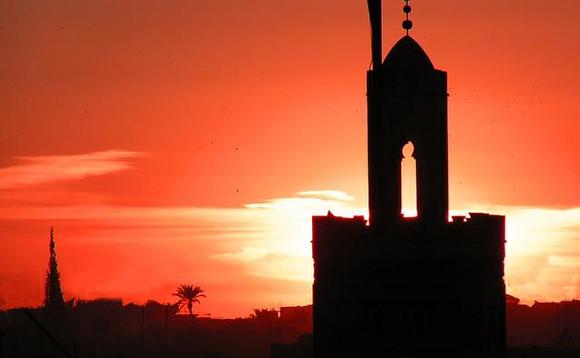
pixel 408 181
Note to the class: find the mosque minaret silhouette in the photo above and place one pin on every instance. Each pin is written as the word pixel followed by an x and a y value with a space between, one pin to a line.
pixel 408 287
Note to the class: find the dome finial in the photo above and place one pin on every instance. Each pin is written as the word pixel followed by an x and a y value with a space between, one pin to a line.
pixel 407 24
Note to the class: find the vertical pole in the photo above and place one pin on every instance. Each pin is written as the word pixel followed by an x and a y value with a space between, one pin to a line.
pixel 375 13
pixel 141 335
pixel 558 342
pixel 165 329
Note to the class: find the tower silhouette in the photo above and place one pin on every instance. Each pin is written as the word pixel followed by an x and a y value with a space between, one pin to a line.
pixel 407 102
pixel 408 287
pixel 53 297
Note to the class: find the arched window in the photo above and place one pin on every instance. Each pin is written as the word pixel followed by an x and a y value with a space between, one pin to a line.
pixel 408 182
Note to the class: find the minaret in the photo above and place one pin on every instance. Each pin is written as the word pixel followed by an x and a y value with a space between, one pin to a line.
pixel 407 102
pixel 424 286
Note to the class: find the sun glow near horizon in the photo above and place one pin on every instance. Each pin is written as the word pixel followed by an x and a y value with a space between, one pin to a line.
pixel 268 240
pixel 540 242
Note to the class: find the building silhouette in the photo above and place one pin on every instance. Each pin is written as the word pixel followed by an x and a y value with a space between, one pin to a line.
pixel 408 287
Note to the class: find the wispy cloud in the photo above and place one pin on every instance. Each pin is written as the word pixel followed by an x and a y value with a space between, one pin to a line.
pixel 44 169
pixel 308 203
pixel 246 254
pixel 327 194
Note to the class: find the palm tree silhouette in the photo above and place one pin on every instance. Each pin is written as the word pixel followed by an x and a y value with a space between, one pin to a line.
pixel 188 294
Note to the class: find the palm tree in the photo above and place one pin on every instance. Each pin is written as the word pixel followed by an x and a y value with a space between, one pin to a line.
pixel 187 296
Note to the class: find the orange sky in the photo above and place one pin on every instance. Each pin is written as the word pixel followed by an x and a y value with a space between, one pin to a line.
pixel 189 141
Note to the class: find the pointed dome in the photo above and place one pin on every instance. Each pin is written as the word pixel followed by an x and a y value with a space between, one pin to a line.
pixel 407 53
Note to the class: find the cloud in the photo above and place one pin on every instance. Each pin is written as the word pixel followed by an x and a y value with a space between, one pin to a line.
pixel 44 169
pixel 246 254
pixel 266 263
pixel 309 206
pixel 327 194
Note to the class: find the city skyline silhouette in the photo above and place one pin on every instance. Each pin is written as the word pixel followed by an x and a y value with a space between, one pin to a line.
pixel 198 139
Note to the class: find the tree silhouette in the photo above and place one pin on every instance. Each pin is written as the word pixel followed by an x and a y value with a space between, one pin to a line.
pixel 188 294
pixel 264 314
pixel 52 292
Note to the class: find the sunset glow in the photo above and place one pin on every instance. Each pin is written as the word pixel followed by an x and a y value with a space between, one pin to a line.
pixel 191 142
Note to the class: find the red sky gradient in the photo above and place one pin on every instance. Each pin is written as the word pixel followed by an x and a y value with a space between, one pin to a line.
pixel 185 141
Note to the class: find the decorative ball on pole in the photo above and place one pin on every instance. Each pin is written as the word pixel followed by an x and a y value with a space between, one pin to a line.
pixel 407 24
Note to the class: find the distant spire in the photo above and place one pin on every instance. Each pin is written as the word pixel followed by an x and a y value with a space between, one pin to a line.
pixel 52 292
pixel 407 24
